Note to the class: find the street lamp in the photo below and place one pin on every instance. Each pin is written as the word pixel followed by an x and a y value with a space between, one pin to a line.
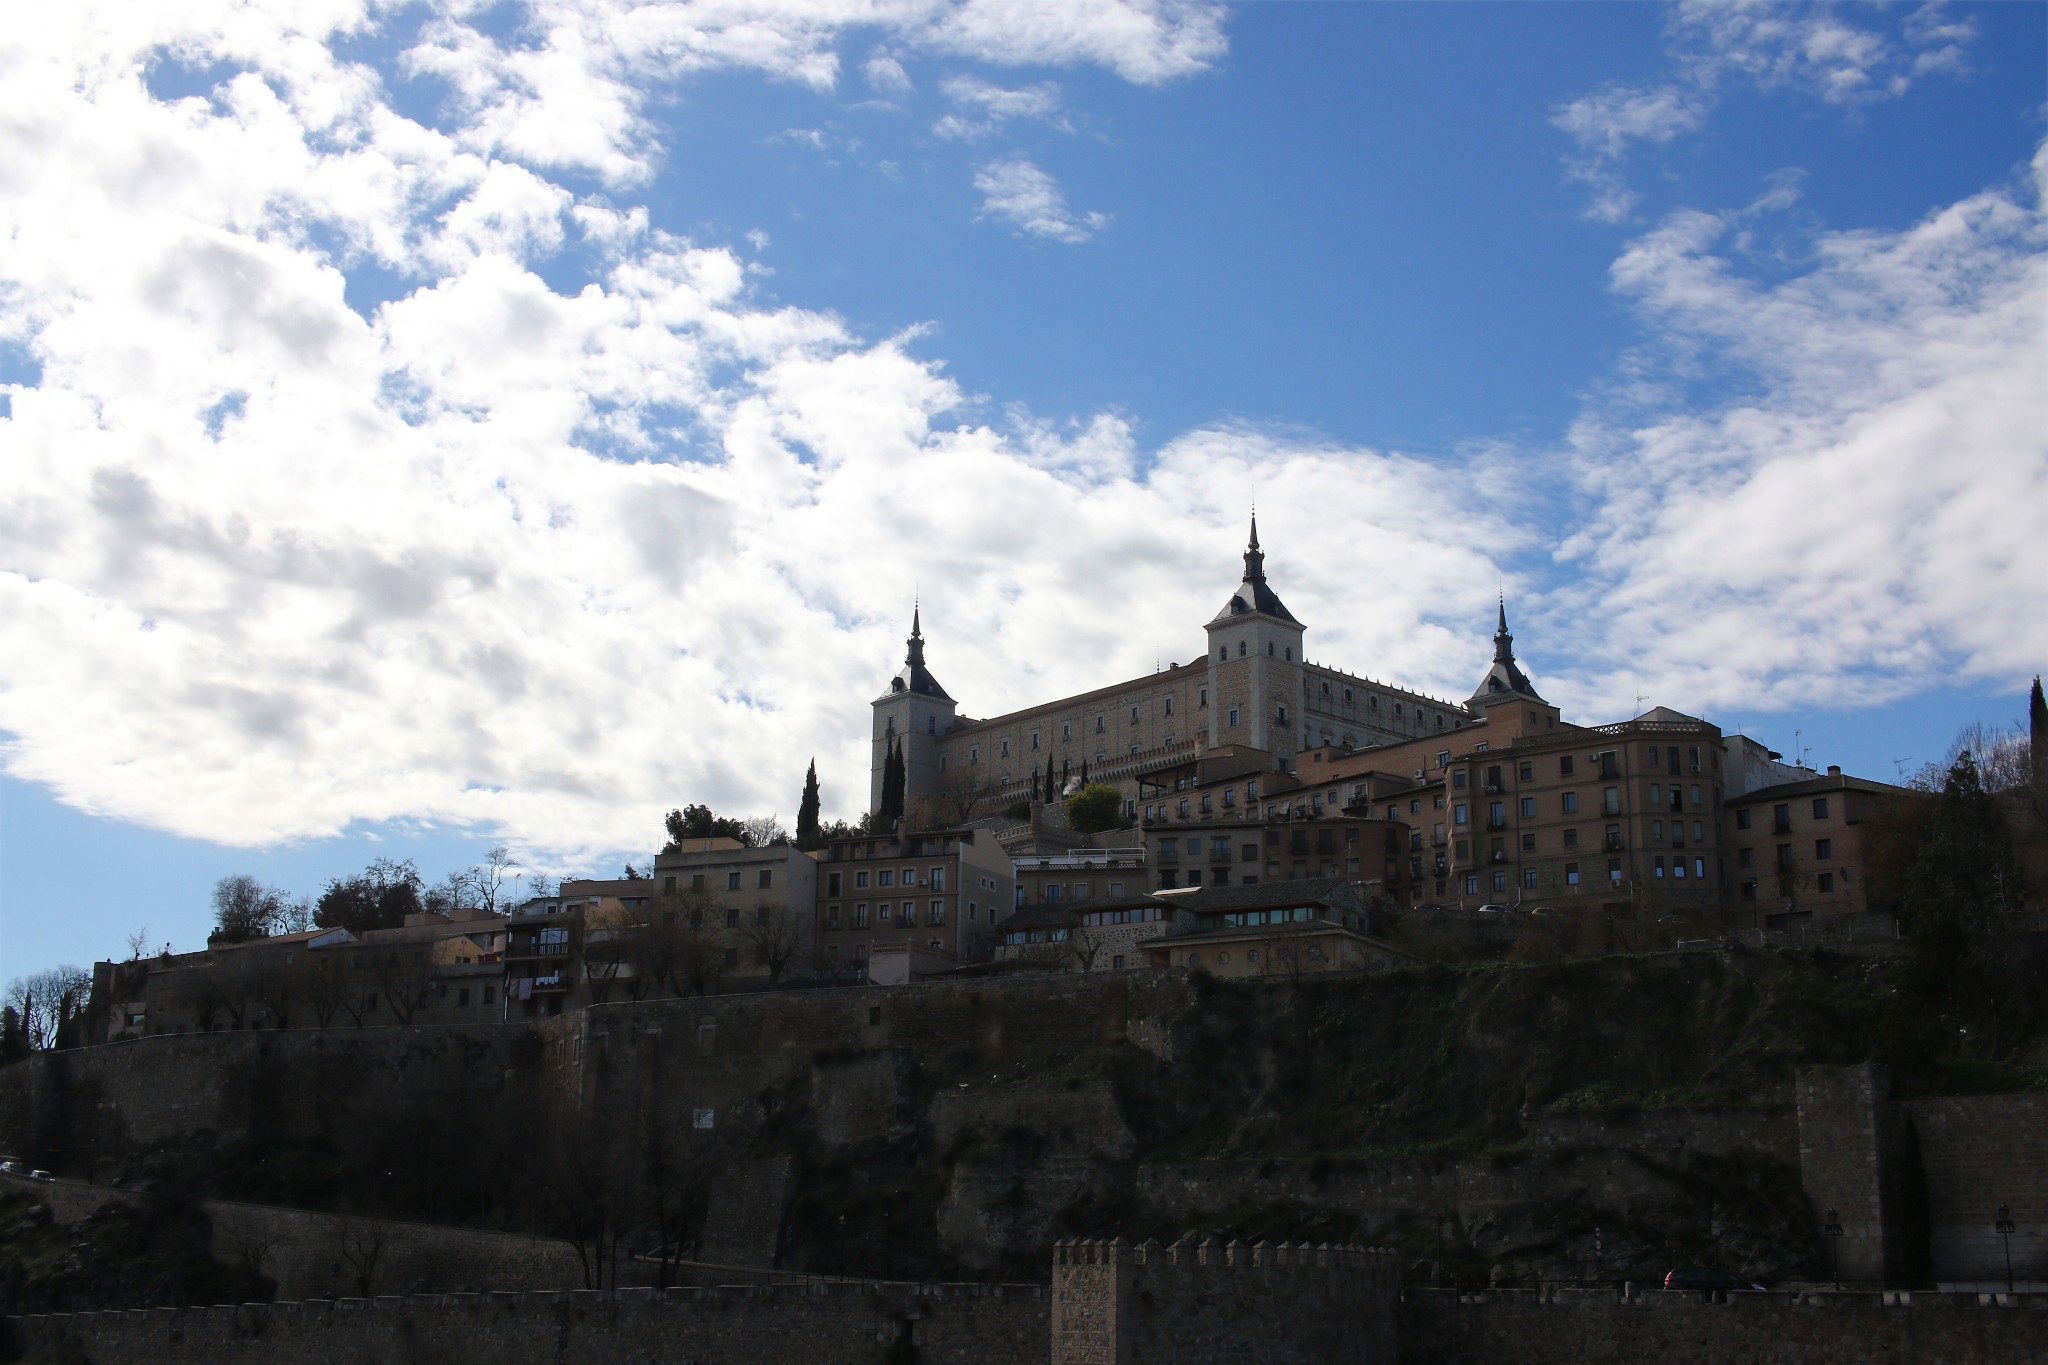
pixel 2003 1227
pixel 1833 1232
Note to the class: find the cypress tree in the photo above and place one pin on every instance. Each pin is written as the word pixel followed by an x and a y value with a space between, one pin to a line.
pixel 807 836
pixel 891 810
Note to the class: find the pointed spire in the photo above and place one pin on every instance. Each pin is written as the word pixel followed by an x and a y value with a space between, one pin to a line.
pixel 1503 643
pixel 916 640
pixel 1254 560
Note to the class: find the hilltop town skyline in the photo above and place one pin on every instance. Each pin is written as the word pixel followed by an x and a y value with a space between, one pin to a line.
pixel 429 432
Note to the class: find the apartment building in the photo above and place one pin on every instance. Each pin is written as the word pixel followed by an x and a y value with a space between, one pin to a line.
pixel 1800 850
pixel 936 894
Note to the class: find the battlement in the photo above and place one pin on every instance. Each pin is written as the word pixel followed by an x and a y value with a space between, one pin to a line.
pixel 1208 1252
pixel 1201 1299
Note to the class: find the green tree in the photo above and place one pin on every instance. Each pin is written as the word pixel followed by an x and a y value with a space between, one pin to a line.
pixel 245 909
pixel 701 822
pixel 1966 887
pixel 1095 807
pixel 891 809
pixel 808 833
pixel 378 897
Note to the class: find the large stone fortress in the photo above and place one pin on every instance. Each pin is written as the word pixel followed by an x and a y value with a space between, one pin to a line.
pixel 1253 690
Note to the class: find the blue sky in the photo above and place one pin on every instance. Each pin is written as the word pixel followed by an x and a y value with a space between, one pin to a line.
pixel 425 426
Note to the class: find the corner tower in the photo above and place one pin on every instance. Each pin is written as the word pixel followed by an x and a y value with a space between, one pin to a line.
pixel 915 712
pixel 1255 665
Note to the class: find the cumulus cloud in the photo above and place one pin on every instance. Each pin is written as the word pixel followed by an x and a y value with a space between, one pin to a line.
pixel 984 108
pixel 1855 524
pixel 568 525
pixel 1015 190
pixel 1810 49
pixel 569 90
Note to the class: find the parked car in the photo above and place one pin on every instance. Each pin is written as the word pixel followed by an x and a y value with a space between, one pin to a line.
pixel 1705 1278
pixel 1495 909
pixel 11 1168
pixel 40 1175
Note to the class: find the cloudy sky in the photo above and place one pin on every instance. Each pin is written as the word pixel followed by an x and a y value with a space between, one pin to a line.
pixel 428 424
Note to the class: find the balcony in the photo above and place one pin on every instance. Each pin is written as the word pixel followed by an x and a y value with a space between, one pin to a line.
pixel 1615 843
pixel 519 952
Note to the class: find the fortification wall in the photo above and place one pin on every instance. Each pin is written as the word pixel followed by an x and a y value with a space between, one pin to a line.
pixel 75 1106
pixel 317 1255
pixel 1442 1327
pixel 1850 1150
pixel 1204 1301
pixel 855 1324
pixel 1980 1151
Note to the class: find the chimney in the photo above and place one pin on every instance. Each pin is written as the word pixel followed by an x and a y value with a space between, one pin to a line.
pixel 1834 770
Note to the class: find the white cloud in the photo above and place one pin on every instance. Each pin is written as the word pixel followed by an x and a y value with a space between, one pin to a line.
pixel 886 75
pixel 548 559
pixel 1858 523
pixel 1810 48
pixel 1017 191
pixel 569 92
pixel 984 108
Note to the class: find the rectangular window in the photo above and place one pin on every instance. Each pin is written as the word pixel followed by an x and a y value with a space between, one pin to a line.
pixel 1233 715
pixel 860 879
pixel 1656 791
pixel 1823 849
pixel 938 878
pixel 1570 802
pixel 1066 729
pixel 1742 818
pixel 1657 831
pixel 831 917
pixel 732 917
pixel 490 994
pixel 1564 766
pixel 1745 857
pixel 1528 807
pixel 668 885
pixel 697 881
pixel 1500 881
pixel 831 883
pixel 767 879
pixel 1471 883
pixel 1653 758
pixel 1820 808
pixel 1458 814
pixel 938 912
pixel 1610 800
pixel 1827 881
pixel 1657 866
pixel 1528 879
pixel 1571 838
pixel 1571 874
pixel 860 915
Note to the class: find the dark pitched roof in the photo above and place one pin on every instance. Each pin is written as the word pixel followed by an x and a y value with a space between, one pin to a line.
pixel 1816 786
pixel 1254 594
pixel 1066 914
pixel 914 676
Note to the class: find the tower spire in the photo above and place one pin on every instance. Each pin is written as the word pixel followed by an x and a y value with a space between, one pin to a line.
pixel 1254 560
pixel 1503 643
pixel 916 640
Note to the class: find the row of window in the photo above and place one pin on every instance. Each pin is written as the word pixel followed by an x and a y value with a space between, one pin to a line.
pixel 763 880
pixel 886 914
pixel 886 876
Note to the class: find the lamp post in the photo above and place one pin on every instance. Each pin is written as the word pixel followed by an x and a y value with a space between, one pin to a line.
pixel 2003 1227
pixel 1833 1232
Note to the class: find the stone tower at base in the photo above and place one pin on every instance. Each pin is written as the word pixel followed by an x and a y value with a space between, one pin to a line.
pixel 1118 1304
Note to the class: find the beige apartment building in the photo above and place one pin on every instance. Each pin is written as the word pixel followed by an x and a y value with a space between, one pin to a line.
pixel 1800 852
pixel 933 894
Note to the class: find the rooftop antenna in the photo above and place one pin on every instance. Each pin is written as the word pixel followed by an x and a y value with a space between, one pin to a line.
pixel 1798 749
pixel 1899 768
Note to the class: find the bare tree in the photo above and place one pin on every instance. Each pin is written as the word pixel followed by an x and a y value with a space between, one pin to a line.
pixel 138 944
pixel 762 830
pixel 953 800
pixel 244 909
pixel 775 940
pixel 359 1243
pixel 402 972
pixel 45 1001
pixel 326 983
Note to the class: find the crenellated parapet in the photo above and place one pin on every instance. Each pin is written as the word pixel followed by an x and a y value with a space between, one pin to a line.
pixel 1204 1299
